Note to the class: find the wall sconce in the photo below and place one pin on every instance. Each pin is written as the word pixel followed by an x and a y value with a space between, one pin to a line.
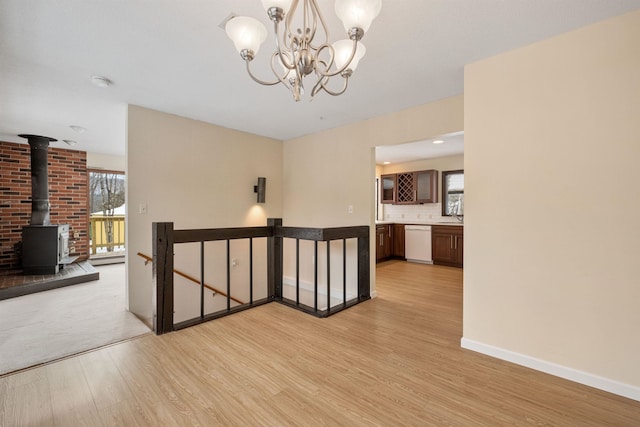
pixel 261 188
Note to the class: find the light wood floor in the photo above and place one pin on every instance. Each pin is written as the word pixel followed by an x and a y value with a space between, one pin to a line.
pixel 395 360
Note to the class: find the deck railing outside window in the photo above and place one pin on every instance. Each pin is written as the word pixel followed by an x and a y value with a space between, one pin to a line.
pixel 107 234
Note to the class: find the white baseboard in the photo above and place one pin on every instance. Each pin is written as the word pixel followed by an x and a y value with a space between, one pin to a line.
pixel 106 260
pixel 611 386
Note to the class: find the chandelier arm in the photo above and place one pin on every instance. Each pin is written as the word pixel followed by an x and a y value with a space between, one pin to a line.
pixel 316 15
pixel 283 79
pixel 346 65
pixel 283 58
pixel 318 86
pixel 327 66
pixel 305 24
pixel 288 36
pixel 311 12
pixel 319 16
pixel 257 80
pixel 344 88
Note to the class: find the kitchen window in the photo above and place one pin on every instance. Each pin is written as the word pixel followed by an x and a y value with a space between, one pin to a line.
pixel 453 193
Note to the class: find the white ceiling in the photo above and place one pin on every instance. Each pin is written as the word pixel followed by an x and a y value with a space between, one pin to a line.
pixel 451 144
pixel 170 55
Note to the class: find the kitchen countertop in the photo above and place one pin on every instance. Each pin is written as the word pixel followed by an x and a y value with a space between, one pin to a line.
pixel 428 222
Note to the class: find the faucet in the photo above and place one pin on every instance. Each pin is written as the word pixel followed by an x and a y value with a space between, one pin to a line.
pixel 457 205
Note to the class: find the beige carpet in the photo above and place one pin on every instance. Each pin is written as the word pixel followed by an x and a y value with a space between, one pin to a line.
pixel 49 325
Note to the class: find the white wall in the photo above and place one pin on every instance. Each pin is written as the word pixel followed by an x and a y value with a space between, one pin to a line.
pixel 196 175
pixel 552 144
pixel 326 172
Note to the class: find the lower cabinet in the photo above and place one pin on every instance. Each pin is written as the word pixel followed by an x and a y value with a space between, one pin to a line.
pixel 398 241
pixel 383 241
pixel 447 244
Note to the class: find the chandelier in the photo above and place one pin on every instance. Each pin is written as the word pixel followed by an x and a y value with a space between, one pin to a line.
pixel 303 46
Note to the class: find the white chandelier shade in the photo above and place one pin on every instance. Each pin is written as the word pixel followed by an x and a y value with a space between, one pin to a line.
pixel 282 4
pixel 343 50
pixel 357 13
pixel 247 33
pixel 302 42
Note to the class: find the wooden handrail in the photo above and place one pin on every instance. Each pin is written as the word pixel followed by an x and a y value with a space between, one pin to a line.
pixel 194 280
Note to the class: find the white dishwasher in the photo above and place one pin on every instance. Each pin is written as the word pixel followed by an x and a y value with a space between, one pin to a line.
pixel 417 243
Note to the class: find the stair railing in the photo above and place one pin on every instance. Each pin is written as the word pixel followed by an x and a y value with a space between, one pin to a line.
pixel 191 279
pixel 165 237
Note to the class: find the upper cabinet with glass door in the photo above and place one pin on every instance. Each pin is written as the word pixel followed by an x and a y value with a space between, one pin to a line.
pixel 426 186
pixel 453 193
pixel 388 188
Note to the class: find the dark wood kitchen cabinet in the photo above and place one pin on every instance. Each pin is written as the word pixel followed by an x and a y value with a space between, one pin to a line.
pixel 388 188
pixel 427 186
pixel 447 245
pixel 417 187
pixel 383 242
pixel 397 236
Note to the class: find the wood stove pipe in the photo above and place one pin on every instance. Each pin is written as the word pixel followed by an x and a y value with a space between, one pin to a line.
pixel 40 207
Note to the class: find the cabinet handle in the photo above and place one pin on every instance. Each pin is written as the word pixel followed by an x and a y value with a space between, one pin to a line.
pixel 456 247
pixel 451 242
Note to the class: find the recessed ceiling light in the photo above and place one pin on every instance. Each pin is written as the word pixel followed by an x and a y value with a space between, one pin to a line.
pixel 386 163
pixel 69 141
pixel 438 141
pixel 78 129
pixel 101 81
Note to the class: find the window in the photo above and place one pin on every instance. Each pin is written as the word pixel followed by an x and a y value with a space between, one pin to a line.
pixel 453 193
pixel 106 220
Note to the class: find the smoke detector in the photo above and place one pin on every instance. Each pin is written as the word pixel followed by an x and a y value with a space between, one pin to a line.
pixel 101 81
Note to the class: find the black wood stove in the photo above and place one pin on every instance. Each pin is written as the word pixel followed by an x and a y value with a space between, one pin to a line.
pixel 45 247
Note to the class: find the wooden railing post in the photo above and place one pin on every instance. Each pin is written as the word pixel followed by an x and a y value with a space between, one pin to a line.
pixel 94 238
pixel 364 285
pixel 274 259
pixel 163 276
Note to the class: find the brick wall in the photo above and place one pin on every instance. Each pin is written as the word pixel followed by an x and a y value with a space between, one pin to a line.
pixel 67 193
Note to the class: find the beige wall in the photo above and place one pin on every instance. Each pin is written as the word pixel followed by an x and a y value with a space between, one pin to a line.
pixel 196 175
pixel 326 172
pixel 552 144
pixel 106 161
